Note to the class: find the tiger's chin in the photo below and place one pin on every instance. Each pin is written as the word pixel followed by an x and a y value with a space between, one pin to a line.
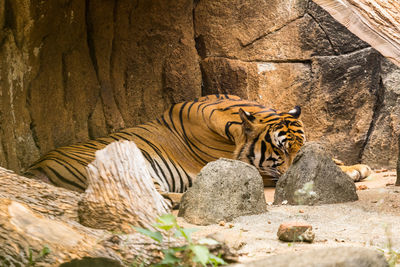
pixel 270 177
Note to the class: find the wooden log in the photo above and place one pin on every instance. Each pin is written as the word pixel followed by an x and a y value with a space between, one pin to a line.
pixel 35 215
pixel 377 22
pixel 120 192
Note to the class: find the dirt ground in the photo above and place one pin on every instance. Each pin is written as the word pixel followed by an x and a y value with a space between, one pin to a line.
pixel 369 222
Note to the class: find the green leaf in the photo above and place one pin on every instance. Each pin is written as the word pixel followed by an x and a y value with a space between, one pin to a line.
pixel 186 232
pixel 157 236
pixel 208 241
pixel 201 254
pixel 45 251
pixel 30 257
pixel 215 260
pixel 169 257
pixel 166 222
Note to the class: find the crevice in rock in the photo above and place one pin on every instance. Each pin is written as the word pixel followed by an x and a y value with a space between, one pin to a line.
pixel 131 18
pixel 90 39
pixel 167 91
pixel 380 96
pixel 32 124
pixel 2 143
pixel 28 103
pixel 302 61
pixel 64 74
pixel 346 54
pixel 244 45
pixel 92 56
pixel 10 21
pixel 199 45
pixel 326 34
pixel 112 60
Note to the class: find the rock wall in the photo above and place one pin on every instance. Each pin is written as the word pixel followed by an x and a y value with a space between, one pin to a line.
pixel 72 70
pixel 287 53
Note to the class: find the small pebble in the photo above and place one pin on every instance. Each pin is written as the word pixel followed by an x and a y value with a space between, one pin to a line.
pixel 221 223
pixel 362 187
pixel 295 232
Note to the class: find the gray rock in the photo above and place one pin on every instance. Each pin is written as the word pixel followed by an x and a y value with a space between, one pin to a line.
pixel 224 189
pixel 313 178
pixel 380 151
pixel 340 256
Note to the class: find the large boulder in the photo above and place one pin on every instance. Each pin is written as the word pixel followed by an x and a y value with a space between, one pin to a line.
pixel 381 148
pixel 324 257
pixel 223 190
pixel 313 178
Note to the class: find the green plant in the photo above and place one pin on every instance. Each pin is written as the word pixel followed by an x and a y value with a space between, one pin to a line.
pixel 33 260
pixel 392 255
pixel 190 254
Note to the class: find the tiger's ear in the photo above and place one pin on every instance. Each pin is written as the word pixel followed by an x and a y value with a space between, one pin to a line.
pixel 295 112
pixel 247 120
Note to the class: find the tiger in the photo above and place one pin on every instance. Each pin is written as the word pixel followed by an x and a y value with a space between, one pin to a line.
pixel 188 135
pixel 179 143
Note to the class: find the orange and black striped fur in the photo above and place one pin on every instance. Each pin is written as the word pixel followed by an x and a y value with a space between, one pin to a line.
pixel 188 136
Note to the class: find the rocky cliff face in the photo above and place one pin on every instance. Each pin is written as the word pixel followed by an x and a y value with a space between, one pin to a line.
pixel 74 70
pixel 285 54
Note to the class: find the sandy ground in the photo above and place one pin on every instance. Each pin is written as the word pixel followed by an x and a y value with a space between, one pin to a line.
pixel 368 222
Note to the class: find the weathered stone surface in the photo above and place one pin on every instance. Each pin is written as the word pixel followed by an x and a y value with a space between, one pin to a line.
pixel 328 72
pixel 295 232
pixel 381 148
pixel 325 257
pixel 222 75
pixel 340 38
pixel 313 178
pixel 224 28
pixel 338 92
pixel 223 190
pixel 338 111
pixel 258 81
pixel 78 70
pixel 297 41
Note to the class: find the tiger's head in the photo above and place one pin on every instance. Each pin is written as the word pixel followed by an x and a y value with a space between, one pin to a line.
pixel 270 140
